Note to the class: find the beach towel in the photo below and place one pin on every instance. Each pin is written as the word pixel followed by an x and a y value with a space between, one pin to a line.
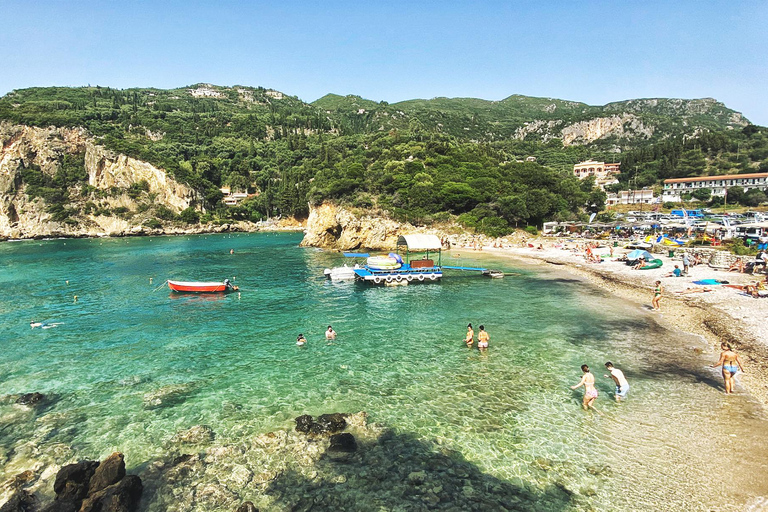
pixel 710 282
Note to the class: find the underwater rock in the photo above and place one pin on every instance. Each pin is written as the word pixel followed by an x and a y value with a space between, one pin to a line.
pixel 30 399
pixel 329 424
pixel 358 419
pixel 195 435
pixel 304 423
pixel 61 506
pixel 213 496
pixel 72 480
pixel 167 395
pixel 342 446
pixel 20 501
pixel 123 496
pixel 248 506
pixel 109 472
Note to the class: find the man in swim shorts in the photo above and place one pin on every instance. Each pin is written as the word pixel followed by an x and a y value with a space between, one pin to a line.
pixel 622 386
pixel 590 392
pixel 330 334
pixel 482 338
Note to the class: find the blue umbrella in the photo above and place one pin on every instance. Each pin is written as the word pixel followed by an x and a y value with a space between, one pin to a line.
pixel 639 253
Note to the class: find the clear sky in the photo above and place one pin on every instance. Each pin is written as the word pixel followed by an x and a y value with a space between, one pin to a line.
pixel 595 52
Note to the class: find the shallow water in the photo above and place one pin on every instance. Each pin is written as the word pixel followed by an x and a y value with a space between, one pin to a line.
pixel 231 362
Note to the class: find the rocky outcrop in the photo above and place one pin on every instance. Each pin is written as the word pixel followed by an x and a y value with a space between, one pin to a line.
pixel 107 169
pixel 23 147
pixel 330 226
pixel 619 126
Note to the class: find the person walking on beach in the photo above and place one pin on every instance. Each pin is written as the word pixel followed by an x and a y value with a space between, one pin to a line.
pixel 686 263
pixel 622 386
pixel 657 296
pixel 470 339
pixel 330 334
pixel 731 364
pixel 590 392
pixel 483 338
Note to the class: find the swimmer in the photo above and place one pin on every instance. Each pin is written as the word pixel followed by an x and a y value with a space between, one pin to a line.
pixel 301 340
pixel 657 296
pixel 231 251
pixel 622 386
pixel 482 338
pixel 731 364
pixel 470 339
pixel 330 334
pixel 590 392
pixel 45 325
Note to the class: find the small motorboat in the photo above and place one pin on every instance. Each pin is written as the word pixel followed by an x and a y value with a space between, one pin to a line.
pixel 343 273
pixel 202 287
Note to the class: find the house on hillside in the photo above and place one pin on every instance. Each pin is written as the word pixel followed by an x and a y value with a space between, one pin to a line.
pixel 230 198
pixel 642 196
pixel 674 188
pixel 604 173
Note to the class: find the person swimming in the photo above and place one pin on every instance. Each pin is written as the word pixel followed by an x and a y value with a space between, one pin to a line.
pixel 330 334
pixel 482 338
pixel 44 325
pixel 301 340
pixel 470 339
pixel 590 392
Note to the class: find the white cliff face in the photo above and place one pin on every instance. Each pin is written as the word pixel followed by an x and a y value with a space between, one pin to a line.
pixel 585 132
pixel 24 146
pixel 107 169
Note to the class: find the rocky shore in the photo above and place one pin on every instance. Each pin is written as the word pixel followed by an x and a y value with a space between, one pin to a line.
pixel 330 462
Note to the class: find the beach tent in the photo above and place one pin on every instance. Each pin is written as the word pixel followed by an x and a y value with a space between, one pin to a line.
pixel 639 253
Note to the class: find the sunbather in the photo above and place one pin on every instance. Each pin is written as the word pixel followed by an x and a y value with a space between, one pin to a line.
pixel 737 265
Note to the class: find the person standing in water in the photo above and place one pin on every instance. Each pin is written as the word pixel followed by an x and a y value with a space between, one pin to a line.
pixel 470 339
pixel 622 386
pixel 657 296
pixel 330 334
pixel 482 338
pixel 590 392
pixel 731 364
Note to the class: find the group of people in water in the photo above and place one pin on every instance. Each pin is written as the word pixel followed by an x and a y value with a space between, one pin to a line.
pixel 482 337
pixel 330 335
pixel 729 361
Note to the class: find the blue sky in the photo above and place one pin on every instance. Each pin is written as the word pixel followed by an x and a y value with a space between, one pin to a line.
pixel 595 52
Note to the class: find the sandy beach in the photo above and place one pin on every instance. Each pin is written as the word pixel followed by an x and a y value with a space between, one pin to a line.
pixel 722 314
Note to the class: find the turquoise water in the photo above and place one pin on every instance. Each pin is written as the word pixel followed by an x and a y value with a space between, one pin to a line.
pixel 132 364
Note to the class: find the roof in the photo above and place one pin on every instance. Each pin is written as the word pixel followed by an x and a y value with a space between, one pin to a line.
pixel 720 177
pixel 420 242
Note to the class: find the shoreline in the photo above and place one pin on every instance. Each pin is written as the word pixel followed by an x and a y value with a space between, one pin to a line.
pixel 722 315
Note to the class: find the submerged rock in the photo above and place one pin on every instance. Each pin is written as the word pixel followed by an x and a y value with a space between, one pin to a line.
pixel 342 446
pixel 167 395
pixel 20 501
pixel 248 506
pixel 195 435
pixel 30 399
pixel 304 423
pixel 329 424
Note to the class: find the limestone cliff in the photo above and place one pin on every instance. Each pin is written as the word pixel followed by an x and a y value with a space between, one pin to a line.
pixel 330 226
pixel 111 175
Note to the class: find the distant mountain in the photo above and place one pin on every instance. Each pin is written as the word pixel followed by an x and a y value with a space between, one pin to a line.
pixel 613 126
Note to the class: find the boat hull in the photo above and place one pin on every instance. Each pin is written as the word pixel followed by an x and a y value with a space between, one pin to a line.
pixel 197 287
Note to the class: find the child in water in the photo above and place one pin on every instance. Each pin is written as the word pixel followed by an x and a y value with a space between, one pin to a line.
pixel 301 340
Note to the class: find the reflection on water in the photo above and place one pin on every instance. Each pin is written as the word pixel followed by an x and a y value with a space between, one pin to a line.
pixel 130 367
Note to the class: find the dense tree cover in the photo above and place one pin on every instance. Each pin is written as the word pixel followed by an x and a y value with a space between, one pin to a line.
pixel 423 160
pixel 709 153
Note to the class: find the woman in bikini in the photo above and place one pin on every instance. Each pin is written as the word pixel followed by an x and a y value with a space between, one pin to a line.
pixel 590 392
pixel 657 296
pixel 731 364
pixel 470 339
pixel 483 338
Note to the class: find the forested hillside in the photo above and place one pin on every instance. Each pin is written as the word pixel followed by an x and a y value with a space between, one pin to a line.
pixel 420 159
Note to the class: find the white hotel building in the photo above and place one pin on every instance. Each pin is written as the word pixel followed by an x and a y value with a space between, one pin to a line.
pixel 674 188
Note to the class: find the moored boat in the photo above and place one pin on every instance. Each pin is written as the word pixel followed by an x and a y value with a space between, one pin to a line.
pixel 201 286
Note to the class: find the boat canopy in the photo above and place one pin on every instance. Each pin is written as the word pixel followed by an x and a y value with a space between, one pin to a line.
pixel 420 242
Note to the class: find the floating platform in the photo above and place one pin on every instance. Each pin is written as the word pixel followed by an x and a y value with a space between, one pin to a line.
pixel 404 273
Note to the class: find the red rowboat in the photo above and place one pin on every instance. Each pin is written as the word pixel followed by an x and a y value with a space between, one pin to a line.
pixel 201 287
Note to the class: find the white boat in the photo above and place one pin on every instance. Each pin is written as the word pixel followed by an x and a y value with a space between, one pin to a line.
pixel 343 273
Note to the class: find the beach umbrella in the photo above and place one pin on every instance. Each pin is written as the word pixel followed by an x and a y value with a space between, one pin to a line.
pixel 639 253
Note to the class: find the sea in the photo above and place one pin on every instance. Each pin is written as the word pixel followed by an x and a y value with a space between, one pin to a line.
pixel 125 364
